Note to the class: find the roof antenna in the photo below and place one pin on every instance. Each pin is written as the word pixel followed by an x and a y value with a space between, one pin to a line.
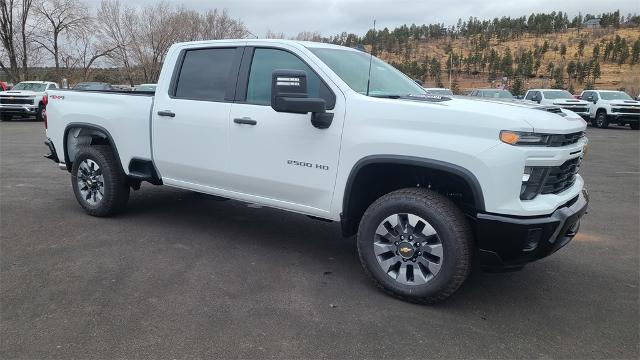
pixel 373 43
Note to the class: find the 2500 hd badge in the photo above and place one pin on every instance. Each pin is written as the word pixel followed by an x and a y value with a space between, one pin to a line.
pixel 307 164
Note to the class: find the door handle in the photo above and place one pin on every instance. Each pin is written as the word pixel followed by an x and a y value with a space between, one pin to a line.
pixel 168 113
pixel 245 121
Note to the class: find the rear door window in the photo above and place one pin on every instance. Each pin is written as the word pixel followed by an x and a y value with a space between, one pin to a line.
pixel 205 74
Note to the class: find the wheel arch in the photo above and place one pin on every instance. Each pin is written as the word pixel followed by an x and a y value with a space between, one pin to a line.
pixel 96 135
pixel 353 207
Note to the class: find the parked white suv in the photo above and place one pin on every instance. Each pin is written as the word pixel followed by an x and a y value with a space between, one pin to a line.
pixel 25 99
pixel 561 98
pixel 426 182
pixel 608 106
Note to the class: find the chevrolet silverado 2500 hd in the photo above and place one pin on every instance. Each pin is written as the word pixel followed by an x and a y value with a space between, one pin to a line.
pixel 608 106
pixel 27 98
pixel 426 182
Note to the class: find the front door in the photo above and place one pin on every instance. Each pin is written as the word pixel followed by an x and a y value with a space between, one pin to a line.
pixel 191 119
pixel 281 158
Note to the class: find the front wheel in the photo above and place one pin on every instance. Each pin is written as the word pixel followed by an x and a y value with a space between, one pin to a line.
pixel 416 245
pixel 635 126
pixel 39 116
pixel 5 117
pixel 601 120
pixel 98 183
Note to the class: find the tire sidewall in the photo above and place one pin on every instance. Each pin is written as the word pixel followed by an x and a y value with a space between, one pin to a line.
pixel 96 156
pixel 601 120
pixel 452 253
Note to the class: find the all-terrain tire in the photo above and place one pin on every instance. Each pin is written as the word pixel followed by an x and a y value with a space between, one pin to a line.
pixel 601 120
pixel 446 219
pixel 115 187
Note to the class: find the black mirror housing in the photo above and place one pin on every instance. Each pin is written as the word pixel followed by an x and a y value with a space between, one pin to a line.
pixel 289 94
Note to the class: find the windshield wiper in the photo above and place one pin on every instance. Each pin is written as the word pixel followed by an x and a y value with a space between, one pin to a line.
pixel 390 96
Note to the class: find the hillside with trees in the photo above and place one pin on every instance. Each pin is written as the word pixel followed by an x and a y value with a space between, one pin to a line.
pixel 541 50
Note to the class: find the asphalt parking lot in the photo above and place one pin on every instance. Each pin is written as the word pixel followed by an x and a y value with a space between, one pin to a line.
pixel 181 275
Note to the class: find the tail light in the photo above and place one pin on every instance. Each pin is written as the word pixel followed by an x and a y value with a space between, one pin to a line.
pixel 45 101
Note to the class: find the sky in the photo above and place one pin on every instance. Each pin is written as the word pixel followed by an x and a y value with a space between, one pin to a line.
pixel 330 17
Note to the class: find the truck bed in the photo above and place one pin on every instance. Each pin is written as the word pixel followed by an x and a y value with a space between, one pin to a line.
pixel 124 115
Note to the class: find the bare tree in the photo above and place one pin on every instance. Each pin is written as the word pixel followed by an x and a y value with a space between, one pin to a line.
pixel 64 18
pixel 25 35
pixel 87 49
pixel 309 36
pixel 7 36
pixel 274 35
pixel 112 19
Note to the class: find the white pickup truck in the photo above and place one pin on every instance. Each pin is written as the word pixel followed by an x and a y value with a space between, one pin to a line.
pixel 561 98
pixel 27 98
pixel 609 106
pixel 426 182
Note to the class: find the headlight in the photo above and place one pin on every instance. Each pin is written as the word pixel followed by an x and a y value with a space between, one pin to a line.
pixel 524 138
pixel 532 181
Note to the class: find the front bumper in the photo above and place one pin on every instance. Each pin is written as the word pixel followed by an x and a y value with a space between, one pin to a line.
pixel 18 109
pixel 622 117
pixel 511 242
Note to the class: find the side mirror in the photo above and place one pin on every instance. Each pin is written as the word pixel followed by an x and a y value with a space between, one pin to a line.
pixel 535 98
pixel 590 98
pixel 289 94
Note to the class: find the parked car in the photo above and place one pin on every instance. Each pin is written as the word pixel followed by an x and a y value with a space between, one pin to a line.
pixel 609 106
pixel 145 87
pixel 92 86
pixel 439 91
pixel 425 182
pixel 492 94
pixel 25 99
pixel 561 98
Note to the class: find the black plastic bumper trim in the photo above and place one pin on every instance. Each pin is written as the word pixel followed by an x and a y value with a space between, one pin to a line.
pixel 505 241
pixel 53 155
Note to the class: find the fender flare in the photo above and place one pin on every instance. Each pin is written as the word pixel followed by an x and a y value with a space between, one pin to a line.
pixel 97 128
pixel 443 166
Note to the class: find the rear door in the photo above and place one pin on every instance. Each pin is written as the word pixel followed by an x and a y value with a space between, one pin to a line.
pixel 190 121
pixel 281 159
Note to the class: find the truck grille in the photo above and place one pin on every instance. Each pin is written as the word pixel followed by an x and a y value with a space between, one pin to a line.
pixel 562 177
pixel 565 139
pixel 16 101
pixel 627 110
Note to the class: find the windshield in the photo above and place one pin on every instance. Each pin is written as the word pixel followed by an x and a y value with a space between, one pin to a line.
pixel 617 95
pixel 497 94
pixel 440 91
pixel 557 94
pixel 30 86
pixel 353 68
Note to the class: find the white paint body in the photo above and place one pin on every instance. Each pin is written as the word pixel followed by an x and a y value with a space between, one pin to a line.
pixel 32 99
pixel 580 107
pixel 202 149
pixel 622 106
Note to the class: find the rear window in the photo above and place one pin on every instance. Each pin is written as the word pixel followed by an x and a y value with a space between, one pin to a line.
pixel 204 74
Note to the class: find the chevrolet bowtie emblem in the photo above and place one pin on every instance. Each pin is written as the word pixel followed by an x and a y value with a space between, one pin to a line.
pixel 405 250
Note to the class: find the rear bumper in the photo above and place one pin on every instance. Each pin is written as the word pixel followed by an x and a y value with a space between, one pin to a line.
pixel 53 155
pixel 511 242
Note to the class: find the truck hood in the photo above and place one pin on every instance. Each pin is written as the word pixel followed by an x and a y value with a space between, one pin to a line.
pixel 512 115
pixel 569 102
pixel 623 102
pixel 19 93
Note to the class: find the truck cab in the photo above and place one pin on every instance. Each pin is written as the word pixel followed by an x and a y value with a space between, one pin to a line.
pixel 25 99
pixel 612 107
pixel 425 182
pixel 561 98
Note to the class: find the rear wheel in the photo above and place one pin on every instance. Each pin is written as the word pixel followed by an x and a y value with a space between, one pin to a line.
pixel 416 245
pixel 98 183
pixel 601 120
